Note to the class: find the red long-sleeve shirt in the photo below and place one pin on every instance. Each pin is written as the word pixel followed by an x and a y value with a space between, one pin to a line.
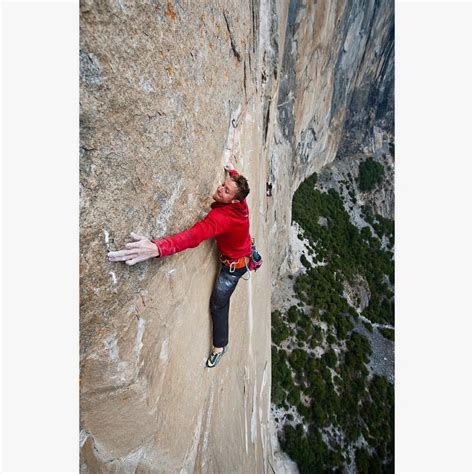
pixel 228 223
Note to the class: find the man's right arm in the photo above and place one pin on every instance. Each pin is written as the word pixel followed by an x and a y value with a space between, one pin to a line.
pixel 229 168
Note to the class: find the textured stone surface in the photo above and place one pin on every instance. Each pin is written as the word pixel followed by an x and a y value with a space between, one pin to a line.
pixel 161 83
pixel 336 89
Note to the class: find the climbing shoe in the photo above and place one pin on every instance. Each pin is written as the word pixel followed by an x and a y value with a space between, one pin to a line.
pixel 215 357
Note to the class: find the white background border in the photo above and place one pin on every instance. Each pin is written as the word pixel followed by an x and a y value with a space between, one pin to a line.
pixel 40 229
pixel 433 237
pixel 40 232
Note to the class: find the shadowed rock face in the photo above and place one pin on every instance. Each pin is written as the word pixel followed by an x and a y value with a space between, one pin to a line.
pixel 160 84
pixel 336 89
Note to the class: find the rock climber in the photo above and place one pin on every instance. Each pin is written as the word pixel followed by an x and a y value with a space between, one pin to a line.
pixel 228 222
pixel 269 189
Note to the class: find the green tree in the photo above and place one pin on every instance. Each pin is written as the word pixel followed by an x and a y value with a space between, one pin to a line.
pixel 371 174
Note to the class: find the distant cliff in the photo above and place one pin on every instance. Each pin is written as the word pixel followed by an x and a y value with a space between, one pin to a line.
pixel 169 92
pixel 335 95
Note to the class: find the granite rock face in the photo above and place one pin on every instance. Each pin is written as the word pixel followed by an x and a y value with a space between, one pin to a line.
pixel 170 91
pixel 161 84
pixel 335 97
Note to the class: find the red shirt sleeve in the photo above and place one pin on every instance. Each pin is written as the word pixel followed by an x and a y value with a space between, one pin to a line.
pixel 212 225
pixel 234 173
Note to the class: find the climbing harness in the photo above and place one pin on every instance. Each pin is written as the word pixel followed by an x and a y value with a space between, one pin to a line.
pixel 234 264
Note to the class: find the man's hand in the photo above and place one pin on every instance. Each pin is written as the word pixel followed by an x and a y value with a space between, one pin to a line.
pixel 134 252
pixel 229 167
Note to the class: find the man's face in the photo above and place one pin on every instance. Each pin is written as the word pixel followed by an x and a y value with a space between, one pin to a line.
pixel 226 192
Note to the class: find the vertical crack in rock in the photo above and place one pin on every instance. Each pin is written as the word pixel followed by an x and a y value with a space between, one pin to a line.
pixel 266 120
pixel 232 40
pixel 246 380
pixel 252 7
pixel 245 80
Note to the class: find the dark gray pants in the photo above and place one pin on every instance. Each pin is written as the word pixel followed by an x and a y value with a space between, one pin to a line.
pixel 220 302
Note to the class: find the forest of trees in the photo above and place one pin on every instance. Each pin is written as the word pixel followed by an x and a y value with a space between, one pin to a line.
pixel 347 251
pixel 371 174
pixel 335 391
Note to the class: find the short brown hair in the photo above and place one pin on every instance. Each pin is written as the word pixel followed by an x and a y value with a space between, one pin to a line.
pixel 243 188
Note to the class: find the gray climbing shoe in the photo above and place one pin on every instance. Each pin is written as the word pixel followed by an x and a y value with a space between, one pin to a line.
pixel 215 357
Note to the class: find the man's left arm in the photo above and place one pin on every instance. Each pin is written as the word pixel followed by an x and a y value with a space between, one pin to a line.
pixel 211 226
pixel 143 248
